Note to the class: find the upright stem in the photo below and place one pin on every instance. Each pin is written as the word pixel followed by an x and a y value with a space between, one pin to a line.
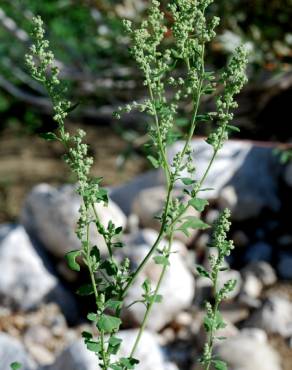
pixel 150 305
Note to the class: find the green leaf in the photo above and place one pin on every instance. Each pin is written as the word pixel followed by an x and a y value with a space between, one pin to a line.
pixel 129 362
pixel 233 128
pixel 15 366
pixel 71 260
pixel 84 290
pixel 220 365
pixel 95 253
pixel 110 267
pixel 92 316
pixel 157 298
pixel 86 335
pixel 108 323
pixel 118 230
pixel 208 322
pixel 116 367
pixel 202 272
pixel 146 286
pixel 114 345
pixel 188 181
pixel 113 304
pixel 219 322
pixel 49 136
pixel 161 260
pixel 153 161
pixel 93 346
pixel 198 204
pixel 192 223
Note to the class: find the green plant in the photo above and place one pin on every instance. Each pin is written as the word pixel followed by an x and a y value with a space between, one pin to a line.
pixel 168 92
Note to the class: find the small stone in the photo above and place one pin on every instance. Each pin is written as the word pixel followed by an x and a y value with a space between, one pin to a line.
pixel 263 271
pixel 211 216
pixel 50 215
pixel 24 281
pixel 243 207
pixel 11 350
pixel 244 352
pixel 40 354
pixel 275 316
pixel 255 333
pixel 251 286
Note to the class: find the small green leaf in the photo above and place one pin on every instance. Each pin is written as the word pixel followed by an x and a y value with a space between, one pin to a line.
pixel 92 316
pixel 220 365
pixel 71 260
pixel 161 260
pixel 86 335
pixel 146 286
pixel 108 323
pixel 202 272
pixel 219 322
pixel 110 267
pixel 93 346
pixel 188 181
pixel 208 322
pixel 95 253
pixel 118 230
pixel 114 345
pixel 113 304
pixel 199 204
pixel 129 362
pixel 15 366
pixel 49 136
pixel 153 161
pixel 84 290
pixel 233 128
pixel 192 223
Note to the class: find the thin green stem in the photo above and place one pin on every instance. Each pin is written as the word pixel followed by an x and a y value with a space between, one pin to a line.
pixel 93 283
pixel 150 305
pixel 155 245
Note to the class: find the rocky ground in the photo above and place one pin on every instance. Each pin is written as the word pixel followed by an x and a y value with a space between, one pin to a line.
pixel 41 319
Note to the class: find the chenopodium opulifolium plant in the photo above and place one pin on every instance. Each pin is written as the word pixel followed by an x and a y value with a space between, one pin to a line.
pixel 157 58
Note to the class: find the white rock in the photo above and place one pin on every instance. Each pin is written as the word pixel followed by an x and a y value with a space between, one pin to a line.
pixel 238 164
pixel 24 280
pixel 275 316
pixel 150 202
pixel 262 270
pixel 11 350
pixel 242 206
pixel 50 215
pixel 258 334
pixel 177 287
pixel 251 286
pixel 77 357
pixel 244 352
pixel 125 194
